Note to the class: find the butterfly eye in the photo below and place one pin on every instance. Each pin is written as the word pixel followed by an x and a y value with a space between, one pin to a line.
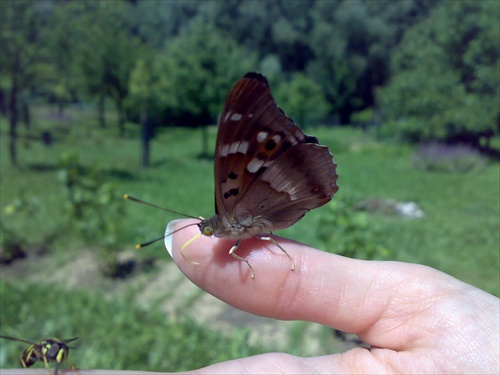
pixel 208 231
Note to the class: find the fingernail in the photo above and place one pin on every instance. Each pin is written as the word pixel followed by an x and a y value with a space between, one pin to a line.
pixel 168 237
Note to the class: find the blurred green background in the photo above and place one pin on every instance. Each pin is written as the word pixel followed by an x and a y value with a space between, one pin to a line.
pixel 98 99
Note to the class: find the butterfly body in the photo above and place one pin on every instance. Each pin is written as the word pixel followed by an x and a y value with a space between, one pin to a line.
pixel 235 229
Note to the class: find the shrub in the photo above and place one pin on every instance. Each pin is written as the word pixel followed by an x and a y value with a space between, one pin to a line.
pixel 93 207
pixel 13 241
pixel 351 233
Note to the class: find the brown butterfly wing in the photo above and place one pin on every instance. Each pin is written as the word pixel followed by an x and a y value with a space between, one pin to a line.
pixel 301 179
pixel 260 155
pixel 246 127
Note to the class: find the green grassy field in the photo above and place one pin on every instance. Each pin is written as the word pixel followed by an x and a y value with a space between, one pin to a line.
pixel 459 233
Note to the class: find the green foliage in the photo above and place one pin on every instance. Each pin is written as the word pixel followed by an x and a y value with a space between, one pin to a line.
pixel 93 207
pixel 23 62
pixel 13 244
pixel 102 60
pixel 191 77
pixel 114 333
pixel 301 98
pixel 88 50
pixel 146 88
pixel 445 80
pixel 363 117
pixel 352 233
pixel 175 61
pixel 270 65
pixel 22 43
pixel 352 42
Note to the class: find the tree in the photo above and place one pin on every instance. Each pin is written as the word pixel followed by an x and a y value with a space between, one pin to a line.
pixel 445 83
pixel 145 88
pixel 188 82
pixel 352 42
pixel 107 53
pixel 64 80
pixel 302 99
pixel 22 57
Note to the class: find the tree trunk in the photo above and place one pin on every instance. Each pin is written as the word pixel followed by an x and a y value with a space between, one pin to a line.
pixel 100 111
pixel 147 132
pixel 121 118
pixel 3 104
pixel 25 110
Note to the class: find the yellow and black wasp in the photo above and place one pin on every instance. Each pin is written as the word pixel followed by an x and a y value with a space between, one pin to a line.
pixel 47 350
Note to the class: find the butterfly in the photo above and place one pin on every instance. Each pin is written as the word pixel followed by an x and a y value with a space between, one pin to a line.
pixel 268 173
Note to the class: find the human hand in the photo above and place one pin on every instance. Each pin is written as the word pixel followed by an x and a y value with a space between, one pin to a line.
pixel 416 319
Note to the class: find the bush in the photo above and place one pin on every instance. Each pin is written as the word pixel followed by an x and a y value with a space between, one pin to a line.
pixel 444 81
pixel 93 207
pixel 13 242
pixel 351 233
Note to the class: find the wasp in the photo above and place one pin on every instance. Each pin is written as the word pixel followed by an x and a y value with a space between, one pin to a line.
pixel 47 350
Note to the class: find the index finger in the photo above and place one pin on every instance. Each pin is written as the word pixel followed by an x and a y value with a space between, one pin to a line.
pixel 363 297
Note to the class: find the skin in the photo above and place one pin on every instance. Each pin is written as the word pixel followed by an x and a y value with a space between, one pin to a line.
pixel 416 319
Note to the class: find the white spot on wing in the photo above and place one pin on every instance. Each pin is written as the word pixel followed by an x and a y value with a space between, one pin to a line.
pixel 234 148
pixel 250 115
pixel 243 147
pixel 236 117
pixel 261 136
pixel 227 116
pixel 281 185
pixel 254 165
pixel 277 138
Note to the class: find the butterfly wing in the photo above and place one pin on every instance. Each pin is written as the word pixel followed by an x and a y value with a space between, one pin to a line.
pixel 301 179
pixel 261 161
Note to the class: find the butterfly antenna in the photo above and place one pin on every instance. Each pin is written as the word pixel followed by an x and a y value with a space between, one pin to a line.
pixel 139 246
pixel 126 196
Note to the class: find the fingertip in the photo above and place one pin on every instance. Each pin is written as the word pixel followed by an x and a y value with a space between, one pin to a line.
pixel 175 234
pixel 168 240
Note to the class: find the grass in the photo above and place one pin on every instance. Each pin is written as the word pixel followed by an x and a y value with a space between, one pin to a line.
pixel 458 235
pixel 460 232
pixel 114 334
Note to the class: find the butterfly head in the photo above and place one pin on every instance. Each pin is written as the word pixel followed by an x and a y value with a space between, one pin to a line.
pixel 205 228
pixel 211 226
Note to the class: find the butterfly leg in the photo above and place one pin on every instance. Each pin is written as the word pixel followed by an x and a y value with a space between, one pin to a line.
pixel 280 247
pixel 232 252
